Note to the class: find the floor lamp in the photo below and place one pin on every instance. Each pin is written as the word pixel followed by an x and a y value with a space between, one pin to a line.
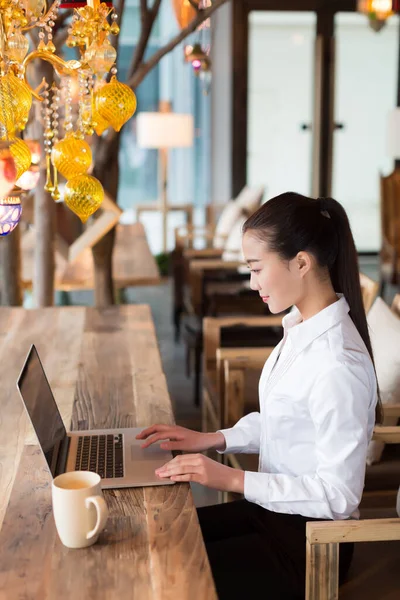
pixel 164 130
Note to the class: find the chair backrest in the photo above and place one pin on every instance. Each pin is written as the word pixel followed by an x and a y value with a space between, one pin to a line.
pixel 369 290
pixel 396 305
pixel 214 326
pixel 390 209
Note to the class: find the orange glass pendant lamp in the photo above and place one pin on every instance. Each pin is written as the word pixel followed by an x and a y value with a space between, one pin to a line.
pixel 184 12
pixel 378 11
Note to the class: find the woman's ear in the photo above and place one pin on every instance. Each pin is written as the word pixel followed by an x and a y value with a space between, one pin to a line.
pixel 304 263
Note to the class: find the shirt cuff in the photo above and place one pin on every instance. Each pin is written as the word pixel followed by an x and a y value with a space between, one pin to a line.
pixel 252 488
pixel 233 439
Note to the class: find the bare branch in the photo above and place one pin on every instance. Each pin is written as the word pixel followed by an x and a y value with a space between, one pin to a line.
pixel 155 8
pixel 139 74
pixel 61 19
pixel 143 9
pixel 104 151
pixel 147 19
pixel 61 37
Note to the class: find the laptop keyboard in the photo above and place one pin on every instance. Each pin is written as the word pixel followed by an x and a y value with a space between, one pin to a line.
pixel 102 454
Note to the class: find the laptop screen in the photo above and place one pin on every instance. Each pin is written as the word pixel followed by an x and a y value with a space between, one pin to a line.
pixel 42 408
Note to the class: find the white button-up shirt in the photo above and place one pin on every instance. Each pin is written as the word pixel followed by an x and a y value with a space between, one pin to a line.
pixel 317 413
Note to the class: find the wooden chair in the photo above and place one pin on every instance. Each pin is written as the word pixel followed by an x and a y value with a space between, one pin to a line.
pixel 390 230
pixel 383 478
pixel 224 332
pixel 184 252
pixel 216 289
pixel 374 573
pixel 369 290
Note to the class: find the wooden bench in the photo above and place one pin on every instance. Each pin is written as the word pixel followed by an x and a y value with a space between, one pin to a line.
pixel 133 263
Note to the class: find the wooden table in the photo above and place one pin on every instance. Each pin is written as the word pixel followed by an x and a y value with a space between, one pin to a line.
pixel 133 263
pixel 105 371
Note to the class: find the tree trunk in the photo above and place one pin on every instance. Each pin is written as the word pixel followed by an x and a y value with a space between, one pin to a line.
pixel 108 174
pixel 44 262
pixel 10 269
pixel 44 218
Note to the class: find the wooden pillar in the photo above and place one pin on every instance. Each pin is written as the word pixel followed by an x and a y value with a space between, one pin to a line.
pixel 240 42
pixel 323 122
pixel 221 105
pixel 44 261
pixel 397 161
pixel 164 107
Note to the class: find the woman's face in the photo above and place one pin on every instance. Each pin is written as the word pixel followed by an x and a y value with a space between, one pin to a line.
pixel 278 281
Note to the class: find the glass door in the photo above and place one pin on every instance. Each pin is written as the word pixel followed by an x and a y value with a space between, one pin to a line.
pixel 365 91
pixel 280 101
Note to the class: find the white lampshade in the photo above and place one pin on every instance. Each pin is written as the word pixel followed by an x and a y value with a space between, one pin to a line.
pixel 164 130
pixel 393 134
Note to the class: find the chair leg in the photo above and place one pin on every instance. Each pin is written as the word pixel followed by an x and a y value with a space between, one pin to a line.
pixel 177 322
pixel 188 361
pixel 382 288
pixel 197 375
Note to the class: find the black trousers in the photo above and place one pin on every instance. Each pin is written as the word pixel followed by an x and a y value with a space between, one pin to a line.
pixel 256 553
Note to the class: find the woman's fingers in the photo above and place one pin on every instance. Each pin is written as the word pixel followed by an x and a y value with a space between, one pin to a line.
pixel 172 445
pixel 178 470
pixel 165 435
pixel 153 429
pixel 181 464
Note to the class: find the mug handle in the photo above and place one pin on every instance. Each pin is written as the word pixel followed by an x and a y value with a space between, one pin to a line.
pixel 102 514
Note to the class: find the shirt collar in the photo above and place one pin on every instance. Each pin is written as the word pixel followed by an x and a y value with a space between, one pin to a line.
pixel 302 333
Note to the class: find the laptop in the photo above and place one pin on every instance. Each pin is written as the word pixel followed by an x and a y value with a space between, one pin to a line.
pixel 114 454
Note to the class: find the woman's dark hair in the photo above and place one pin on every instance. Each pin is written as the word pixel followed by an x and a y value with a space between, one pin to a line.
pixel 290 223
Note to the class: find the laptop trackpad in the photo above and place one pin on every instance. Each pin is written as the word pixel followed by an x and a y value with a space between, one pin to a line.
pixel 152 453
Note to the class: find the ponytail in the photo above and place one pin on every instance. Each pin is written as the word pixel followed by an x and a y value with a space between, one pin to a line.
pixel 290 223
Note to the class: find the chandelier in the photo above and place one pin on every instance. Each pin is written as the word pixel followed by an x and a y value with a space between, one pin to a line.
pixel 378 11
pixel 101 103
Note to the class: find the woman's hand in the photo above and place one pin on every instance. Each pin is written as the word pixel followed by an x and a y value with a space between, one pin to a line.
pixel 181 438
pixel 204 470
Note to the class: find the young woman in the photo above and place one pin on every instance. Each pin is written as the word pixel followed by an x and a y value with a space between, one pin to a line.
pixel 318 405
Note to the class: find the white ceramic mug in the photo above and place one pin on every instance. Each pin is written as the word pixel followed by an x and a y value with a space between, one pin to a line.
pixel 79 509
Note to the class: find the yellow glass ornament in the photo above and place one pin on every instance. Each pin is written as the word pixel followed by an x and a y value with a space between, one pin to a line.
pixel 99 124
pixel 71 156
pixel 100 57
pixel 35 7
pixel 22 155
pixel 83 195
pixel 21 98
pixel 114 29
pixel 17 47
pixel 7 118
pixel 116 103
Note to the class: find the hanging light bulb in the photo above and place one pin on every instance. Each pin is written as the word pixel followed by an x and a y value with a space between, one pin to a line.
pixel 378 11
pixel 29 179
